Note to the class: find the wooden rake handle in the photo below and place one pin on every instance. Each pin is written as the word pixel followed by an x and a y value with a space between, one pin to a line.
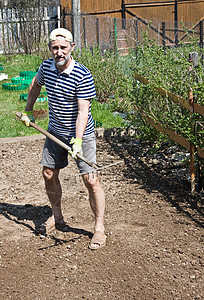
pixel 59 142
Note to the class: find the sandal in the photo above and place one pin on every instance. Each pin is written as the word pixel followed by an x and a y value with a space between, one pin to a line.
pixel 99 240
pixel 49 226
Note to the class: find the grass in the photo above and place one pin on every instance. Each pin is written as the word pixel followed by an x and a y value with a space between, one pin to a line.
pixel 10 101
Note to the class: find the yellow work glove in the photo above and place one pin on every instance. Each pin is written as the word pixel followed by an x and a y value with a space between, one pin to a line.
pixel 27 117
pixel 76 148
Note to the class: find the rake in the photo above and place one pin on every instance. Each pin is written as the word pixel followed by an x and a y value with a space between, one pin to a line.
pixel 93 166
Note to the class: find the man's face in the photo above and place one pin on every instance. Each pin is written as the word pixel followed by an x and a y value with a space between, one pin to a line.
pixel 60 50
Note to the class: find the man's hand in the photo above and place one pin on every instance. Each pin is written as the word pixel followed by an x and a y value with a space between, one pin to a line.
pixel 76 148
pixel 27 117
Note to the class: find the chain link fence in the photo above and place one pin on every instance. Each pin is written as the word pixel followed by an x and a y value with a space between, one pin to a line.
pixel 25 30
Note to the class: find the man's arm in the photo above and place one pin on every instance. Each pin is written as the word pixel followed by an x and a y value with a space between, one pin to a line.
pixel 81 122
pixel 82 118
pixel 33 93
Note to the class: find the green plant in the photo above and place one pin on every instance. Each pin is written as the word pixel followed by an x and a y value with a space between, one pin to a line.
pixel 10 101
pixel 113 85
pixel 170 70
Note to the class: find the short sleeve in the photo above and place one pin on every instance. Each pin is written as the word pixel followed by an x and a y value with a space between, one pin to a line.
pixel 85 88
pixel 40 77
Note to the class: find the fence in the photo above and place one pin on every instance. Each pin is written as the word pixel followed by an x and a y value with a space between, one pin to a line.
pixel 104 31
pixel 24 32
pixel 192 108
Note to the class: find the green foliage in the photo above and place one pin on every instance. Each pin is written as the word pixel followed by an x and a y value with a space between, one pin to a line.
pixel 170 70
pixel 116 87
pixel 10 101
pixel 113 85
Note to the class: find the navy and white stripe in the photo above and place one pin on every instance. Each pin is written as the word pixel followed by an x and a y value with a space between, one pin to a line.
pixel 64 90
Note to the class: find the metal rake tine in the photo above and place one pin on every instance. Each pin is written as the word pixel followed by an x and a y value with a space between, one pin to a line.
pixel 100 168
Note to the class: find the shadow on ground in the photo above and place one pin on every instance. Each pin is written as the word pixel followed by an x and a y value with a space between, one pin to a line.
pixel 156 178
pixel 37 214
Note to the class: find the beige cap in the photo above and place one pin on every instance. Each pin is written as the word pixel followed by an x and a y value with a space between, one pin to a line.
pixel 61 33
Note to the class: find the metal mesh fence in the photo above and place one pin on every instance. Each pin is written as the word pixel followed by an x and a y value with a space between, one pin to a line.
pixel 107 32
pixel 24 32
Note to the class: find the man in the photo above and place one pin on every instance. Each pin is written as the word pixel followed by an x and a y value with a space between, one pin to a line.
pixel 70 88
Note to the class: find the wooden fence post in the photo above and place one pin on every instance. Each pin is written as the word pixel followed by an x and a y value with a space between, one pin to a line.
pixel 164 35
pixel 193 58
pixel 123 15
pixel 76 13
pixel 84 30
pixel 176 23
pixel 97 30
pixel 136 32
pixel 115 35
pixel 192 147
pixel 63 18
pixel 201 40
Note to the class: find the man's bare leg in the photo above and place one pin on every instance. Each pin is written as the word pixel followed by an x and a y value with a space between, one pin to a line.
pixel 97 201
pixel 54 192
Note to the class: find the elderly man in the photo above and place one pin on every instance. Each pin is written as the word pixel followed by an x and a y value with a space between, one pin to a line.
pixel 70 88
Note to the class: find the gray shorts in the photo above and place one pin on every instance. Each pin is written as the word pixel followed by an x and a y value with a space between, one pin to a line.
pixel 56 157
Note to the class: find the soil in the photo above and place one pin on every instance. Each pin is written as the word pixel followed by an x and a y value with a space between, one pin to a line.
pixel 154 229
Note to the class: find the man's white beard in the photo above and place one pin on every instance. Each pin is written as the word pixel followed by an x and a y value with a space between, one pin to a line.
pixel 62 62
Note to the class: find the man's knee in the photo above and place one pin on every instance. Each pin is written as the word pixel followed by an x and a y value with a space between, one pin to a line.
pixel 49 174
pixel 91 180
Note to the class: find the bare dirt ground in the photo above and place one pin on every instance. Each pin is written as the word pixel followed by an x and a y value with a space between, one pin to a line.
pixel 154 231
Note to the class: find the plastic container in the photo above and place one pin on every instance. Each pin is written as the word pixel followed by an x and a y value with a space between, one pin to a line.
pixel 27 74
pixel 14 87
pixel 3 76
pixel 24 97
pixel 21 80
pixel 42 97
pixel 97 124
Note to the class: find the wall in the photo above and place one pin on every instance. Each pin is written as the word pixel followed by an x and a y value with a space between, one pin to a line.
pixel 192 11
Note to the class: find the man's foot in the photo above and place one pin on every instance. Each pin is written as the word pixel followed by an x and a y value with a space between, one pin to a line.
pixel 49 225
pixel 98 240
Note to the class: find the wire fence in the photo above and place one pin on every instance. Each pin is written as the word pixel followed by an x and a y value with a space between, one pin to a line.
pixel 104 31
pixel 24 32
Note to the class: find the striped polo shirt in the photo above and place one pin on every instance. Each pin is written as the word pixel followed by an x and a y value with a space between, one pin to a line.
pixel 63 91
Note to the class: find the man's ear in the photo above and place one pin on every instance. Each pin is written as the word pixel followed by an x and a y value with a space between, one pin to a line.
pixel 73 46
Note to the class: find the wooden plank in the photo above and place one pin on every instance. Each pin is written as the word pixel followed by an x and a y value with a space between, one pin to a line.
pixel 149 4
pixel 163 3
pixel 172 135
pixel 191 29
pixel 190 11
pixel 105 12
pixel 174 98
pixel 198 108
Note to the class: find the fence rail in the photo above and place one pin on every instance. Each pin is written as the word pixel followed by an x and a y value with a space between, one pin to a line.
pixel 24 32
pixel 188 104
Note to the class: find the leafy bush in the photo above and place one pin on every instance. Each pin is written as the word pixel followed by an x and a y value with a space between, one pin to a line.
pixel 170 70
pixel 113 85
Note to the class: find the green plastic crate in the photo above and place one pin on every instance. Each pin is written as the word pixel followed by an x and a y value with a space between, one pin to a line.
pixel 14 87
pixel 24 97
pixel 97 123
pixel 27 74
pixel 21 80
pixel 42 97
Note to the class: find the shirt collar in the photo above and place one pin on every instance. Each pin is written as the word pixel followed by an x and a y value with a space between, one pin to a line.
pixel 67 70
